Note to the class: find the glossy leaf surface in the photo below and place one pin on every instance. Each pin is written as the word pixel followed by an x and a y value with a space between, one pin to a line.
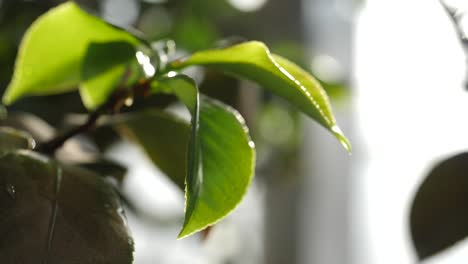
pixel 74 151
pixel 29 123
pixel 253 61
pixel 104 69
pixel 439 214
pixel 12 139
pixel 227 160
pixel 52 50
pixel 55 214
pixel 221 156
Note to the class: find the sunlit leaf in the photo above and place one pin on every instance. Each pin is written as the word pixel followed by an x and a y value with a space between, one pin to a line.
pixel 221 156
pixel 104 68
pixel 58 214
pixel 227 160
pixel 52 50
pixel 439 217
pixel 215 154
pixel 253 61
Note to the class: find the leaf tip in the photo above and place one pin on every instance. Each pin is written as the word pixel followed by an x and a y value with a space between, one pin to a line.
pixel 342 138
pixel 183 234
pixel 186 232
pixel 10 96
pixel 192 226
pixel 86 98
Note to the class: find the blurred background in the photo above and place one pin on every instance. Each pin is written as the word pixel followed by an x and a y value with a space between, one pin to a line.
pixel 395 71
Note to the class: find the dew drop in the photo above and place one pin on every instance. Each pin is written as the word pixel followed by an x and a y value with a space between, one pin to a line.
pixel 121 213
pixel 171 74
pixel 145 63
pixel 340 136
pixel 10 189
pixel 131 242
pixel 128 102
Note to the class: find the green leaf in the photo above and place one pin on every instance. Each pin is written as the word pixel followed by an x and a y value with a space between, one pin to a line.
pixel 253 61
pixel 227 161
pixel 164 138
pixel 221 156
pixel 58 214
pixel 439 218
pixel 103 70
pixel 183 87
pixel 52 50
pixel 39 129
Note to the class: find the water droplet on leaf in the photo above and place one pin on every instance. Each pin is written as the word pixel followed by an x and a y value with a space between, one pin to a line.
pixel 128 102
pixel 10 189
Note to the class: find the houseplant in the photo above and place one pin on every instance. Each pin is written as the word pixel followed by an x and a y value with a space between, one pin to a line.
pixel 77 214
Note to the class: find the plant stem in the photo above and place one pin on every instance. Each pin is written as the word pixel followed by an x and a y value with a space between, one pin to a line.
pixel 112 106
pixel 456 17
pixel 51 146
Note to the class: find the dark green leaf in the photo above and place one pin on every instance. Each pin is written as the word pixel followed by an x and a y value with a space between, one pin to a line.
pixel 103 70
pixel 185 89
pixel 439 215
pixel 50 56
pixel 164 138
pixel 75 150
pixel 253 60
pixel 33 125
pixel 12 139
pixel 55 214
